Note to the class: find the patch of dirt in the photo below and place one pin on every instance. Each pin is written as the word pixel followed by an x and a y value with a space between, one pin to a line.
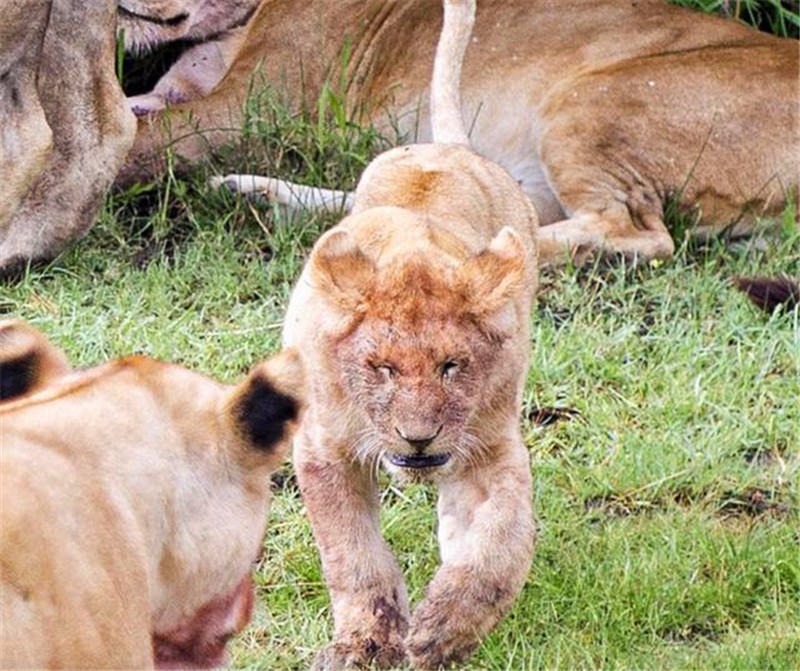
pixel 694 632
pixel 154 249
pixel 284 480
pixel 752 503
pixel 613 505
pixel 559 315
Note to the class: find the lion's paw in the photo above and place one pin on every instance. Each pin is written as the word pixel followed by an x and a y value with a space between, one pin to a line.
pixel 147 103
pixel 431 644
pixel 362 655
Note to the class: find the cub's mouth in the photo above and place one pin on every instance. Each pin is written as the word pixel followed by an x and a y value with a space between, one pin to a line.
pixel 418 460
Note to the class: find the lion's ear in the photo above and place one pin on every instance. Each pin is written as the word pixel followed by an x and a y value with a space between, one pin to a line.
pixel 497 274
pixel 265 408
pixel 341 270
pixel 28 360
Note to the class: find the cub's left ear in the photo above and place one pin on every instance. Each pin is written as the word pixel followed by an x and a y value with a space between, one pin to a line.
pixel 264 409
pixel 28 360
pixel 496 275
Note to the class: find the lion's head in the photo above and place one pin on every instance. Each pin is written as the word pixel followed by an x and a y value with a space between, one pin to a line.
pixel 172 470
pixel 426 345
pixel 147 23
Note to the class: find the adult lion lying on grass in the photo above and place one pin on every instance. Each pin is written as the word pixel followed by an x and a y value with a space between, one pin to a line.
pixel 413 314
pixel 132 500
pixel 603 111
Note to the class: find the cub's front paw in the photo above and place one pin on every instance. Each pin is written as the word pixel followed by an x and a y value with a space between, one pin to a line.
pixel 435 641
pixel 359 655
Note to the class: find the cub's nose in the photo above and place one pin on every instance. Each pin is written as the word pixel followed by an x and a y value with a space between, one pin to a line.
pixel 418 442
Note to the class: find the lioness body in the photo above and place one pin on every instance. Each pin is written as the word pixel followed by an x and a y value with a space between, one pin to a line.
pixel 133 501
pixel 413 312
pixel 601 110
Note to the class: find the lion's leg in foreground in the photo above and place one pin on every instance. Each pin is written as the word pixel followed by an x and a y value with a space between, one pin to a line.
pixel 486 535
pixel 368 594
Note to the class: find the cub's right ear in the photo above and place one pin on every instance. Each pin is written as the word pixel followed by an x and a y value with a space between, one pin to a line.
pixel 264 410
pixel 28 360
pixel 341 270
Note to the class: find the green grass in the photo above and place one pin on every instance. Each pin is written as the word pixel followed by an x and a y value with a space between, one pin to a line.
pixel 781 17
pixel 669 509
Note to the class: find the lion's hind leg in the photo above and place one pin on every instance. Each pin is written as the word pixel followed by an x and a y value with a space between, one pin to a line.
pixel 623 223
pixel 193 76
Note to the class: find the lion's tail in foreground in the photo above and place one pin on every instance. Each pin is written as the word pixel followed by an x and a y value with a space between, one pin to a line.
pixel 447 124
pixel 770 292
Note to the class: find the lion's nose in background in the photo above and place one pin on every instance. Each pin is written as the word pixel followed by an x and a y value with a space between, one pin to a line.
pixel 419 443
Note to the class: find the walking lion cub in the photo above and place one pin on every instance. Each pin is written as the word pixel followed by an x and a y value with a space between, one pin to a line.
pixel 413 314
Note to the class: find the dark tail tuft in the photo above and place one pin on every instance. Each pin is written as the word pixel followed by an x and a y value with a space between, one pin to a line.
pixel 770 292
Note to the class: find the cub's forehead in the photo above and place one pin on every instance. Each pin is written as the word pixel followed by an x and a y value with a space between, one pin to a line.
pixel 433 336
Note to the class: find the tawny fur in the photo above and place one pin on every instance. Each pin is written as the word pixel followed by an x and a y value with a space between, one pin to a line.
pixel 217 28
pixel 413 315
pixel 603 111
pixel 65 127
pixel 132 501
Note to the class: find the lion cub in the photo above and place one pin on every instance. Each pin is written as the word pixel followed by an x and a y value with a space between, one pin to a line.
pixel 413 314
pixel 132 500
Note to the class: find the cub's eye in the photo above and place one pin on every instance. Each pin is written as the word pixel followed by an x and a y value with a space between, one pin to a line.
pixel 448 369
pixel 383 369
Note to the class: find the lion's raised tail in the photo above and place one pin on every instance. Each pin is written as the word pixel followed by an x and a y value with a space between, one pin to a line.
pixel 770 292
pixel 446 121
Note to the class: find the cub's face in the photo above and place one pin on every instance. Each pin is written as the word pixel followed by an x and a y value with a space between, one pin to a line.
pixel 421 347
pixel 420 385
pixel 148 23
